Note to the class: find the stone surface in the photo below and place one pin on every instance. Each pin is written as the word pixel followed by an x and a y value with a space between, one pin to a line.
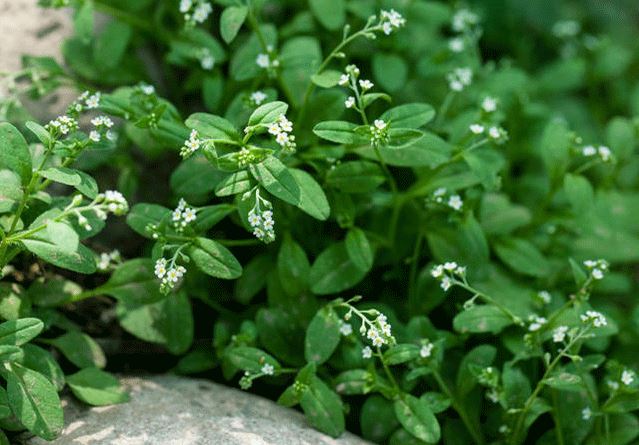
pixel 171 410
pixel 27 28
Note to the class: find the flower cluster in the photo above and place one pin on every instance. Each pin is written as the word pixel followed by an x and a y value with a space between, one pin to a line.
pixel 442 197
pixel 114 202
pixel 543 296
pixel 183 215
pixel 489 377
pixel 627 377
pixel 456 44
pixel 86 101
pixel 498 134
pixel 448 273
pixel 106 260
pixel 604 153
pixel 459 78
pixel 536 322
pixel 489 104
pixel 268 61
pixel 260 218
pixel 267 369
pixel 282 129
pixel 61 126
pixel 391 21
pixel 594 318
pixel 379 132
pixel 195 11
pixel 103 125
pixel 191 145
pixel 427 349
pixel 378 332
pixel 464 20
pixel 559 334
pixel 169 273
pixel 597 268
pixel 207 61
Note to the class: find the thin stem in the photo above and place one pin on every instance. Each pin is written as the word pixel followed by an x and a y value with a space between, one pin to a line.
pixel 387 370
pixel 473 429
pixel 443 110
pixel 490 300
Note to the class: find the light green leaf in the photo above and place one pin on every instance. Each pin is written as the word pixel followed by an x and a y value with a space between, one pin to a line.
pixel 341 132
pixel 359 249
pixel 312 198
pixel 322 336
pixel 412 115
pixel 522 256
pixel 267 113
pixel 234 184
pixel 416 416
pixel 80 349
pixel 214 259
pixel 97 387
pixel 323 407
pixel 355 176
pixel 277 179
pixel 14 154
pixel 484 318
pixel 81 261
pixel 19 332
pixel 330 13
pixel 327 78
pixel 210 126
pixel 231 21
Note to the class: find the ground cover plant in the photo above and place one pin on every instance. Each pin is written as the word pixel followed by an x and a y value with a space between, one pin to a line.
pixel 404 217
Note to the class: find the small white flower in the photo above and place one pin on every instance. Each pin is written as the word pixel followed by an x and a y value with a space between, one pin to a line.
pixel 437 271
pixel 268 369
pixel 489 104
pixel 365 84
pixel 207 61
pixel 257 97
pixel 343 80
pixel 536 323
pixel 367 352
pixel 391 20
pixel 627 377
pixel 350 102
pixel 604 153
pixel 614 386
pixel 189 215
pixel 263 61
pixel 379 124
pixel 147 89
pixel 459 78
pixel 493 132
pixel 202 12
pixel 426 350
pixel 476 129
pixel 93 101
pixel 456 44
pixel 94 136
pixel 285 124
pixel 450 266
pixel 463 20
pixel 597 274
pixel 446 283
pixel 378 341
pixel 559 334
pixel 544 296
pixel 282 138
pixel 455 202
pixel 191 145
pixel 588 151
pixel 345 329
pixel 586 413
pixel 185 5
pixel 595 318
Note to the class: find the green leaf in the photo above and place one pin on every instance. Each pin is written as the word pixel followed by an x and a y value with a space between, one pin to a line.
pixel 253 278
pixel 430 151
pixel 96 387
pixel 416 416
pixel 80 349
pixel 214 259
pixel 353 382
pixel 81 261
pixel 42 361
pixel 327 78
pixel 484 318
pixel 322 336
pixel 401 353
pixel 621 136
pixel 41 133
pixel 355 176
pixel 522 256
pixel 63 236
pixel 142 215
pixel 209 216
pixel 312 198
pixel 555 148
pixel 333 271
pixel 18 332
pixel 110 46
pixel 62 175
pixel 14 154
pixel 293 267
pixel 341 132
pixel 277 179
pixel 231 21
pixel 250 359
pixel 83 22
pixel 412 115
pixel 622 402
pixel 10 190
pixel 323 408
pixel 134 281
pixel 267 113
pixel 234 184
pixel 195 178
pixel 330 13
pixel 579 193
pixel 565 381
pixel 210 126
pixel 10 353
pixel 481 356
pixel 359 249
pixel 35 402
pixel 403 137
pixel 378 418
pixel 390 71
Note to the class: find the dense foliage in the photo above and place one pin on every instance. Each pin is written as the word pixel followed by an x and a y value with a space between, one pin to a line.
pixel 413 219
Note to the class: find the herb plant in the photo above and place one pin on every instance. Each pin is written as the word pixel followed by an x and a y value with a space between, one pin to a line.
pixel 352 208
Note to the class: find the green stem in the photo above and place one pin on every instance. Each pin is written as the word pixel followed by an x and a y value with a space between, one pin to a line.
pixel 488 299
pixel 473 429
pixel 443 110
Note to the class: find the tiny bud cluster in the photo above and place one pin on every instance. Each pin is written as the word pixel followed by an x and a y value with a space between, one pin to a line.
pixel 543 296
pixel 459 79
pixel 594 318
pixel 86 101
pixel 260 218
pixel 456 44
pixel 536 323
pixel 427 349
pixel 391 21
pixel 442 197
pixel 604 153
pixel 257 97
pixel 498 134
pixel 448 273
pixel 191 145
pixel 106 260
pixel 114 202
pixel 597 268
pixel 195 11
pixel 379 332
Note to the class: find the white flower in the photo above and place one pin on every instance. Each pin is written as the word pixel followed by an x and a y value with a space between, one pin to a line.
pixel 94 136
pixel 437 271
pixel 93 101
pixel 189 215
pixel 379 124
pixel 493 132
pixel 350 102
pixel 160 268
pixel 268 369
pixel 627 377
pixel 207 61
pixel 588 151
pixel 456 44
pixel 476 129
pixel 586 413
pixel 365 84
pixel 544 296
pixel 343 80
pixel 597 274
pixel 147 89
pixel 345 329
pixel 489 104
pixel 595 318
pixel 426 350
pixel 274 129
pixel 285 124
pixel 102 121
pixel 614 386
pixel 282 138
pixel 459 78
pixel 257 97
pixel 185 5
pixel 254 219
pixel 114 202
pixel 367 352
pixel 536 323
pixel 604 153
pixel 559 334
pixel 202 12
pixel 566 28
pixel 450 266
pixel 391 20
pixel 446 283
pixel 263 61
pixel 464 19
pixel 191 145
pixel 455 202
pixel 378 342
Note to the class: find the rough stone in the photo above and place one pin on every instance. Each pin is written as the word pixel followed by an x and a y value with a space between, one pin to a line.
pixel 171 410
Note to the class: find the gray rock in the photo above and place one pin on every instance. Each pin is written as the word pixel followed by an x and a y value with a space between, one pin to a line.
pixel 170 410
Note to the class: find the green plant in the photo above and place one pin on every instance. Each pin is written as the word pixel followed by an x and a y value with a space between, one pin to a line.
pixel 469 225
